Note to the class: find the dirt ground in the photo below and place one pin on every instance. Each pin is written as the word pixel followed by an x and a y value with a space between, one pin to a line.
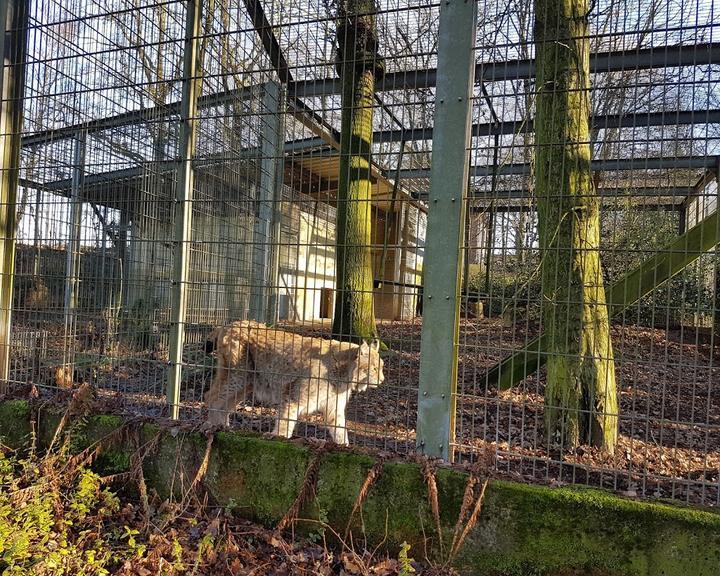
pixel 669 383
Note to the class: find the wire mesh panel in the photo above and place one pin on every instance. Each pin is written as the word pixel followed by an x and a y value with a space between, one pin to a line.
pixel 305 228
pixel 265 167
pixel 636 185
pixel 99 236
pixel 98 146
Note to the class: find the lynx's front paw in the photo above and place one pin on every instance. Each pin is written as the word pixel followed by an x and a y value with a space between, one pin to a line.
pixel 340 436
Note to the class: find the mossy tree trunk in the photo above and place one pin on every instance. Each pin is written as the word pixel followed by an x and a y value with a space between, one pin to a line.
pixel 358 66
pixel 580 397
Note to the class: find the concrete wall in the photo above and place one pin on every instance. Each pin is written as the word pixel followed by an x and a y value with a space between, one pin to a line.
pixel 220 258
pixel 704 204
pixel 307 257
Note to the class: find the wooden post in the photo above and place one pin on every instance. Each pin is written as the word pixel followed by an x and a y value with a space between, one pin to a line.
pixel 13 19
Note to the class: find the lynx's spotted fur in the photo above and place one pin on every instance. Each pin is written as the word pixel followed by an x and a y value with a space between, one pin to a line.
pixel 300 374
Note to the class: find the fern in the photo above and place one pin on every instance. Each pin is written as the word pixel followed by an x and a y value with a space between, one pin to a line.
pixel 406 567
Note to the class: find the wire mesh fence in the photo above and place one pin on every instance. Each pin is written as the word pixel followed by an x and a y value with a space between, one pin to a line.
pixel 335 170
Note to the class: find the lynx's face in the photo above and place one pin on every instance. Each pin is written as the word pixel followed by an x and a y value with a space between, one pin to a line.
pixel 369 368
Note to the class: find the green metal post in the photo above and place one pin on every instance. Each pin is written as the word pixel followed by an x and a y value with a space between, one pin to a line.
pixel 183 203
pixel 13 22
pixel 269 194
pixel 271 314
pixel 445 227
pixel 72 263
pixel 716 299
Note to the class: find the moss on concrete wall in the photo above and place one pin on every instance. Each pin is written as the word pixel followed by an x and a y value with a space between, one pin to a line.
pixel 523 530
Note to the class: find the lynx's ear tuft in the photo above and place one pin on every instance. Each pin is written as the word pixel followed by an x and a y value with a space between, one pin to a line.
pixel 375 345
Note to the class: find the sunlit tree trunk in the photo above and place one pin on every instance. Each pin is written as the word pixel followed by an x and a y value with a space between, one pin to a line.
pixel 358 66
pixel 580 397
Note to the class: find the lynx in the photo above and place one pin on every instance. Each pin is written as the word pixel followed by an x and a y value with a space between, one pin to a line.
pixel 300 374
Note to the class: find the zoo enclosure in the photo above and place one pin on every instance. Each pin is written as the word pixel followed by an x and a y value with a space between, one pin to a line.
pixel 177 166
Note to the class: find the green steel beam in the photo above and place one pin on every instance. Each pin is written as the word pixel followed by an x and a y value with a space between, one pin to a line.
pixel 442 269
pixel 637 283
pixel 183 203
pixel 269 193
pixel 72 261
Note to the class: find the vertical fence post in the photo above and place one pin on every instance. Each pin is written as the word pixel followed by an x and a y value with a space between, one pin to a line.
pixel 716 299
pixel 13 23
pixel 72 264
pixel 442 267
pixel 278 172
pixel 271 140
pixel 183 203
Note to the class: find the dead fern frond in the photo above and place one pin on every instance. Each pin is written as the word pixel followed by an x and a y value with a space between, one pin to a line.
pixel 79 406
pixel 202 469
pixel 471 521
pixel 467 502
pixel 370 479
pixel 307 490
pixel 429 476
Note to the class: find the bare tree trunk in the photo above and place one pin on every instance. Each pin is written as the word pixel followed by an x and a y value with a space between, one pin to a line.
pixel 358 66
pixel 580 397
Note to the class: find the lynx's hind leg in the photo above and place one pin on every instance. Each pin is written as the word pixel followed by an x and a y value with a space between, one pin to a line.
pixel 227 390
pixel 234 364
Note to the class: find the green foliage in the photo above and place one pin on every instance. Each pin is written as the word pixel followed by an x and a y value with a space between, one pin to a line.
pixel 318 535
pixel 51 523
pixel 629 237
pixel 632 236
pixel 406 567
pixel 514 289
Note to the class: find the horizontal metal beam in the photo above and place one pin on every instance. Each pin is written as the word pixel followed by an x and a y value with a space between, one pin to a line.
pixel 603 121
pixel 149 114
pixel 658 57
pixel 619 164
pixel 600 122
pixel 607 207
pixel 615 61
pixel 611 192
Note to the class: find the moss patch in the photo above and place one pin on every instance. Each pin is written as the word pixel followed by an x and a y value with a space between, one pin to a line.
pixel 15 426
pixel 528 530
pixel 256 478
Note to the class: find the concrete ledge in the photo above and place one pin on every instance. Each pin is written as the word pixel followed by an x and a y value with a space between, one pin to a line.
pixel 523 530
